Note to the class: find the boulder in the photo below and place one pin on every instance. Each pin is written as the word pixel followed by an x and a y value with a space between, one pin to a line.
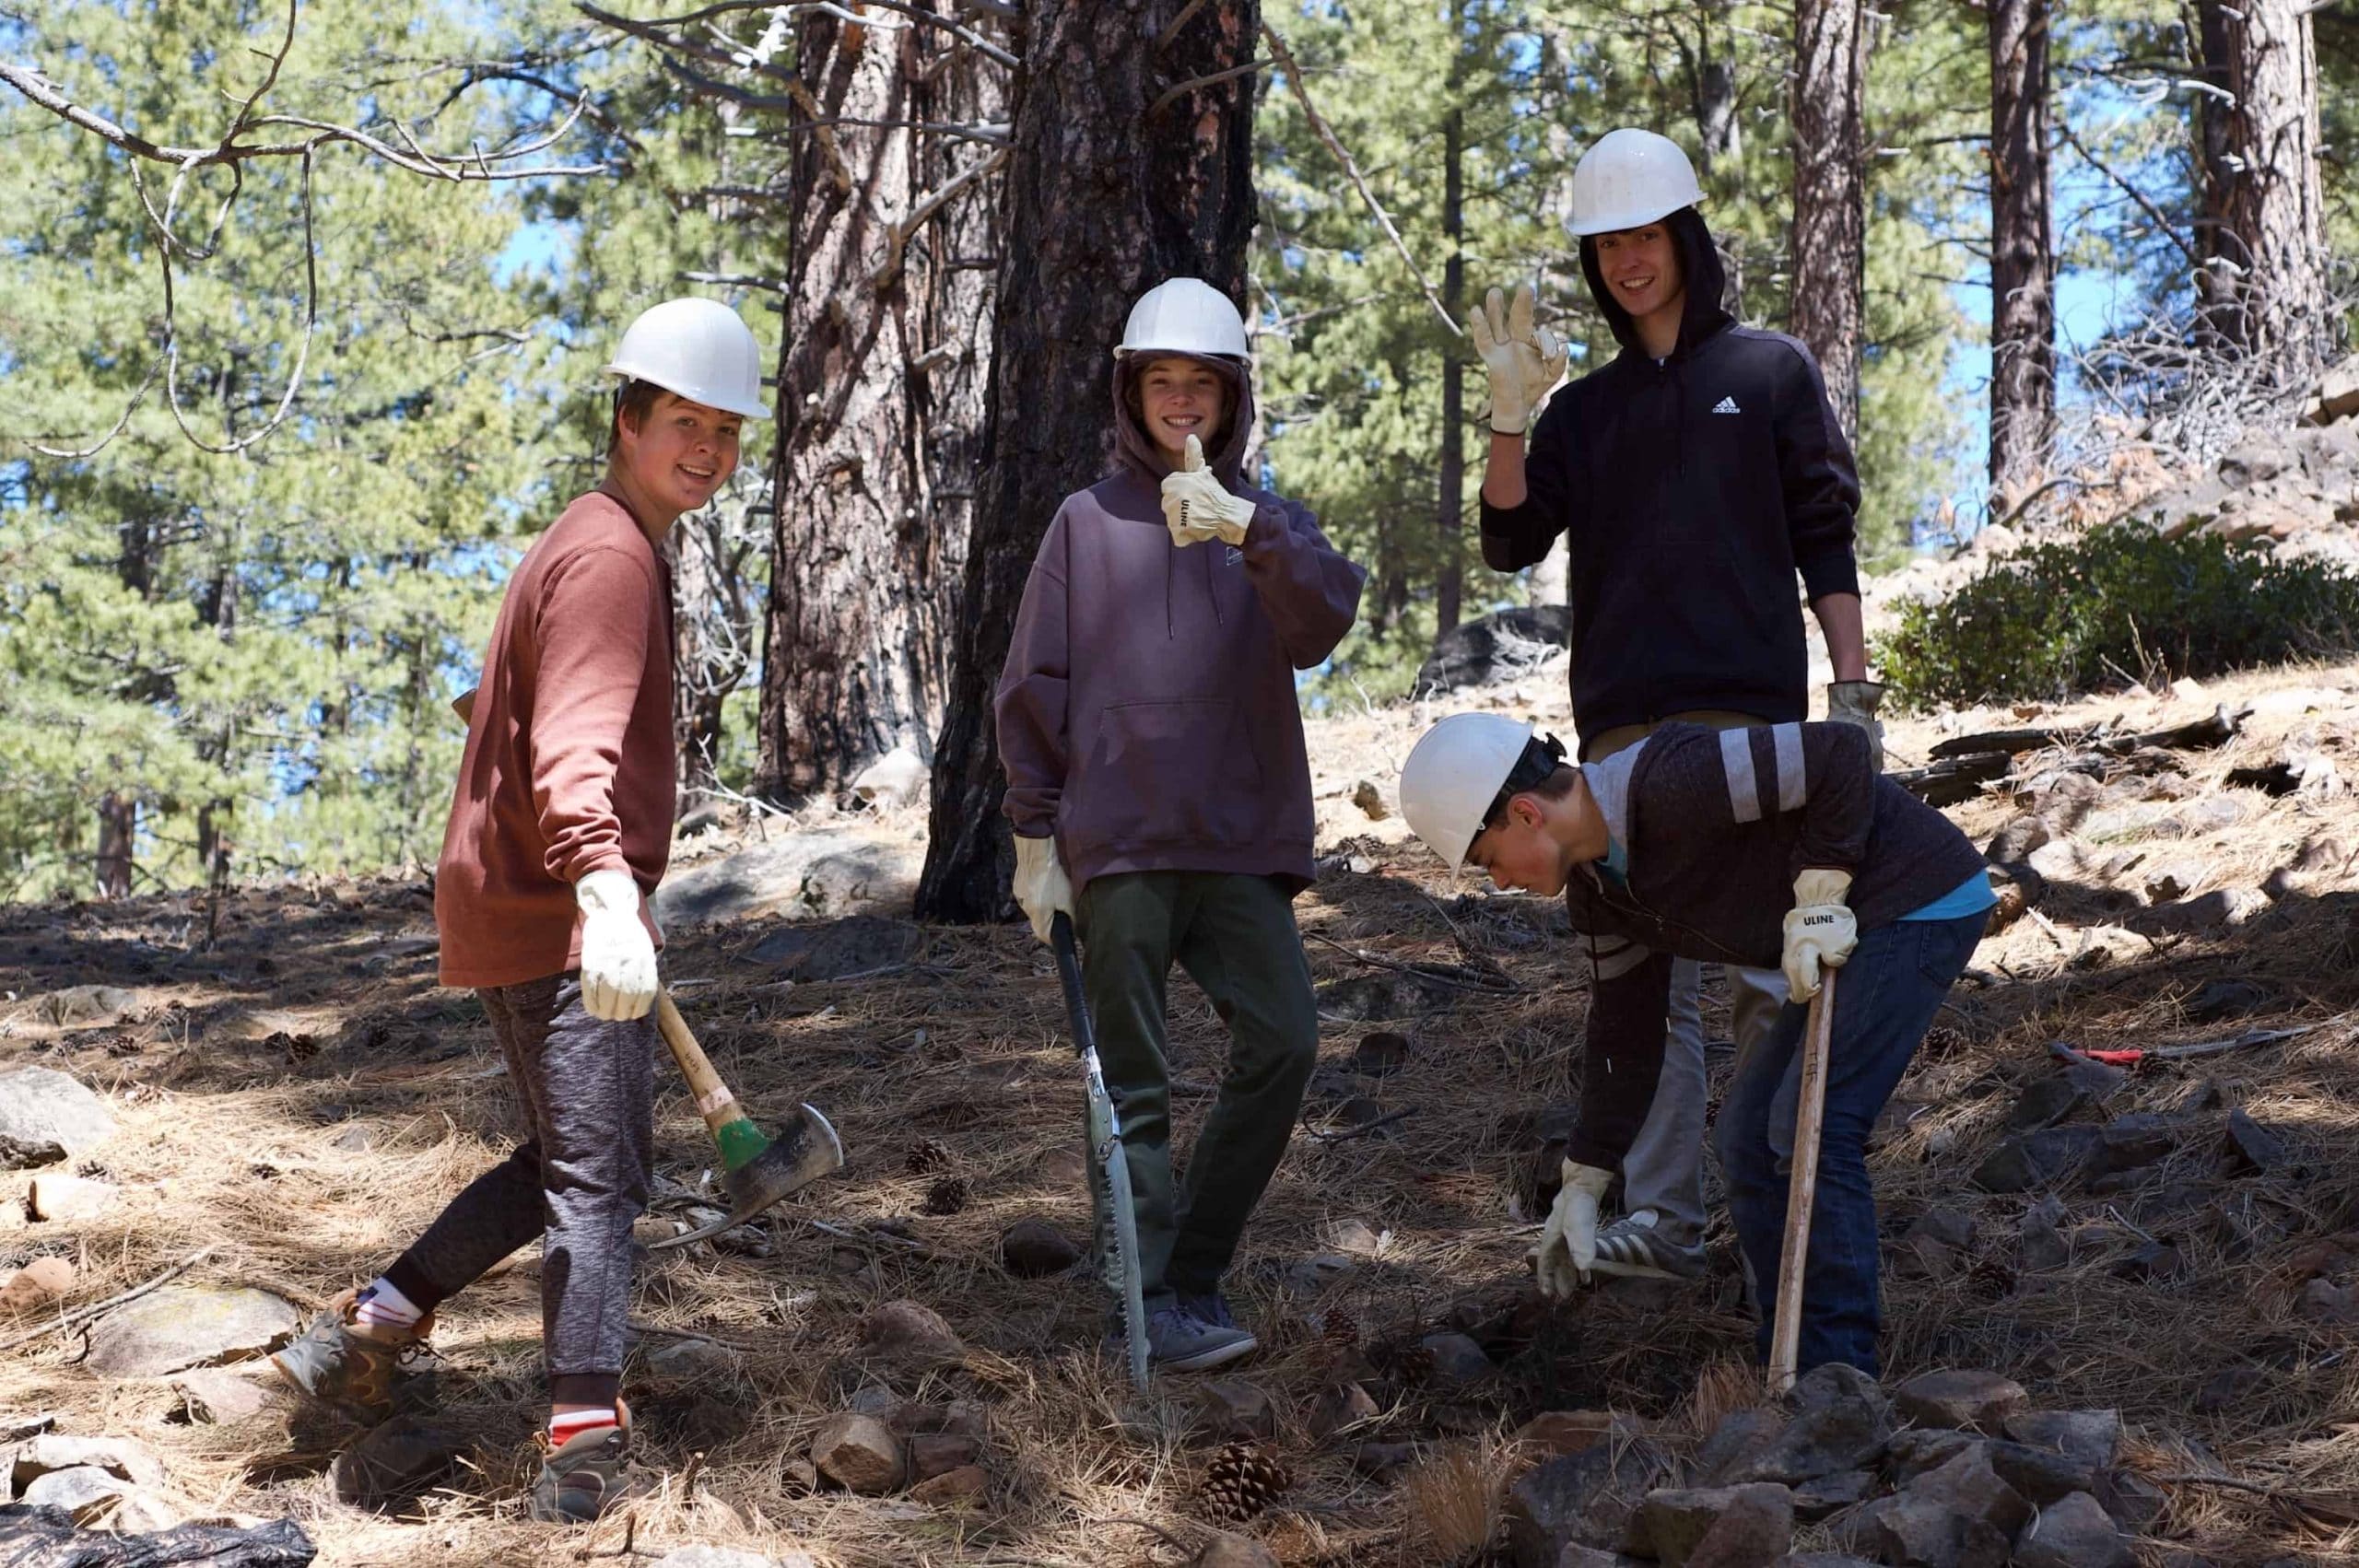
pixel 2036 1159
pixel 1752 1526
pixel 46 1116
pixel 1494 646
pixel 396 1464
pixel 1032 1249
pixel 795 875
pixel 86 1492
pixel 935 1454
pixel 2337 393
pixel 58 1198
pixel 897 779
pixel 1232 1552
pixel 860 1454
pixel 2042 1475
pixel 87 1006
pixel 1584 1498
pixel 127 1460
pixel 2041 1239
pixel 713 1557
pixel 1841 1422
pixel 35 1285
pixel 965 1484
pixel 1458 1360
pixel 912 1336
pixel 2091 1437
pixel 1339 1408
pixel 1965 1397
pixel 1742 1437
pixel 1380 1055
pixel 181 1327
pixel 1831 1494
pixel 679 1361
pixel 2046 1103
pixel 1229 1409
pixel 836 950
pixel 2250 1148
pixel 2073 1532
pixel 219 1397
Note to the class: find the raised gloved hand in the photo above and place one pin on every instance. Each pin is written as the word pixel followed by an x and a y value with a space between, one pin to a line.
pixel 1197 506
pixel 1041 886
pixel 1855 702
pixel 617 955
pixel 1524 361
pixel 1568 1246
pixel 1820 928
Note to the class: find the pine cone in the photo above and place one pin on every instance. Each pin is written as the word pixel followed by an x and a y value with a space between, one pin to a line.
pixel 1340 1332
pixel 946 1196
pixel 1240 1482
pixel 928 1155
pixel 1407 1360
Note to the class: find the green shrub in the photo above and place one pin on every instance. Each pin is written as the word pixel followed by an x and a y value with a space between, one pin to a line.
pixel 2120 602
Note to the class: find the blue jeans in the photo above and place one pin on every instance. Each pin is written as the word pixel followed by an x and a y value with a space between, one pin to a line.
pixel 1884 1000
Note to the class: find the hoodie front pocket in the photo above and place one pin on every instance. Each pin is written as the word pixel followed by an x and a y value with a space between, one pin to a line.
pixel 1182 770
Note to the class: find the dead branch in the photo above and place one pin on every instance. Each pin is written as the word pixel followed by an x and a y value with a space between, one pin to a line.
pixel 1181 90
pixel 83 1313
pixel 921 212
pixel 1285 61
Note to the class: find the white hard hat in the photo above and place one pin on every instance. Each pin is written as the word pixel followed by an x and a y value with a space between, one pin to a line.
pixel 699 349
pixel 1453 777
pixel 1186 315
pixel 1629 177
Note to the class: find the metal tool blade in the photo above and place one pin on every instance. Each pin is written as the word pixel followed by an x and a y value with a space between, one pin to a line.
pixel 1114 1210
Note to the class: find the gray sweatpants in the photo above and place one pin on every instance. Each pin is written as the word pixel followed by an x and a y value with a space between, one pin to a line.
pixel 577 1181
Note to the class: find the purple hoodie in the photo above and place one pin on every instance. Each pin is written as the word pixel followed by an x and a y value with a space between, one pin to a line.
pixel 1172 741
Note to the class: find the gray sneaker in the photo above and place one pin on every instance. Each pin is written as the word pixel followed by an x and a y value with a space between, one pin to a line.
pixel 1634 1245
pixel 1183 1341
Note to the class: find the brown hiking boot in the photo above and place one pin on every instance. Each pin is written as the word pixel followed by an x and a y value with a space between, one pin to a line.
pixel 592 1473
pixel 335 1363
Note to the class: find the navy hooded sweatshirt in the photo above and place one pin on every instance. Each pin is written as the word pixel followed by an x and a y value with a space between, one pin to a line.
pixel 1691 491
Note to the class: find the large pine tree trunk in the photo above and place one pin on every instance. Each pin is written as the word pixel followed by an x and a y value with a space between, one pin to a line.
pixel 1103 201
pixel 879 400
pixel 1826 262
pixel 2263 291
pixel 2023 249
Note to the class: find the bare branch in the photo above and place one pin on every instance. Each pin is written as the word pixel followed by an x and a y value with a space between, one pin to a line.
pixel 963 33
pixel 1192 84
pixel 1285 61
pixel 2065 131
pixel 1187 14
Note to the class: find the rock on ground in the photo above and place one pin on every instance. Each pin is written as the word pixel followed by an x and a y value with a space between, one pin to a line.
pixel 910 1334
pixel 835 949
pixel 860 1454
pixel 46 1116
pixel 795 875
pixel 1965 1397
pixel 36 1284
pixel 181 1327
pixel 2073 1533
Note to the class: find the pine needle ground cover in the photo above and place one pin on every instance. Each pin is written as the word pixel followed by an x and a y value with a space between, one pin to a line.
pixel 302 1098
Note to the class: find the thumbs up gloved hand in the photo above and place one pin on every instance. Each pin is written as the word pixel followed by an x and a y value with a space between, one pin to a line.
pixel 1197 507
pixel 1524 361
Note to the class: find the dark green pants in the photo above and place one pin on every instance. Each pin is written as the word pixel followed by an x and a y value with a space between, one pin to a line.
pixel 1235 937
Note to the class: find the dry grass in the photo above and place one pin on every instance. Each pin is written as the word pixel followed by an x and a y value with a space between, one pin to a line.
pixel 230 1136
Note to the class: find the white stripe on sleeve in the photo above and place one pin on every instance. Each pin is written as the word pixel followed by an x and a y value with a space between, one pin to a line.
pixel 1736 756
pixel 1791 791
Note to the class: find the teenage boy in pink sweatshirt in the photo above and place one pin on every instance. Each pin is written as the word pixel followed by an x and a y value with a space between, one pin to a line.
pixel 1158 785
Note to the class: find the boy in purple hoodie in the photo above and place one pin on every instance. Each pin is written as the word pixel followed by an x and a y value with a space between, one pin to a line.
pixel 1158 785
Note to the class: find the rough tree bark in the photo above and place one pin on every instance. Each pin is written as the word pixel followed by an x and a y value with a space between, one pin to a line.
pixel 1110 192
pixel 1826 264
pixel 2023 251
pixel 880 403
pixel 2263 291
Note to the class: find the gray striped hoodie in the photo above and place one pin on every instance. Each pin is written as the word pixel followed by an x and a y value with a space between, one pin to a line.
pixel 1714 826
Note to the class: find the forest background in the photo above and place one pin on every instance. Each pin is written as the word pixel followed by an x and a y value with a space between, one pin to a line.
pixel 304 307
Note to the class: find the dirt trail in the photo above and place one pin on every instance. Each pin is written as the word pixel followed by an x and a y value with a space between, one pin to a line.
pixel 300 1096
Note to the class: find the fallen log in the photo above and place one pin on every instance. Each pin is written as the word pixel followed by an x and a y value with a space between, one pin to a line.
pixel 2202 734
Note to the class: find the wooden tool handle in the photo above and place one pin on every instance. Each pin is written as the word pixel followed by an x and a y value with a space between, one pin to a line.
pixel 1810 1114
pixel 715 1102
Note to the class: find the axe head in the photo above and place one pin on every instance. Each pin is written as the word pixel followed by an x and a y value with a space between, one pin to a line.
pixel 805 1149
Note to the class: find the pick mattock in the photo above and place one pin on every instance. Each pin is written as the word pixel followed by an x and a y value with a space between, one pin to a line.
pixel 1810 1116
pixel 756 1171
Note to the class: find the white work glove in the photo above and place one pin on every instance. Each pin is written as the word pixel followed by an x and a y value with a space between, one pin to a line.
pixel 1820 928
pixel 1524 361
pixel 1568 1246
pixel 1041 886
pixel 1855 703
pixel 617 955
pixel 1197 506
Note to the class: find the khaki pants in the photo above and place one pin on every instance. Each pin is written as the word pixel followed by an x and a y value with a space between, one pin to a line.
pixel 1664 1170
